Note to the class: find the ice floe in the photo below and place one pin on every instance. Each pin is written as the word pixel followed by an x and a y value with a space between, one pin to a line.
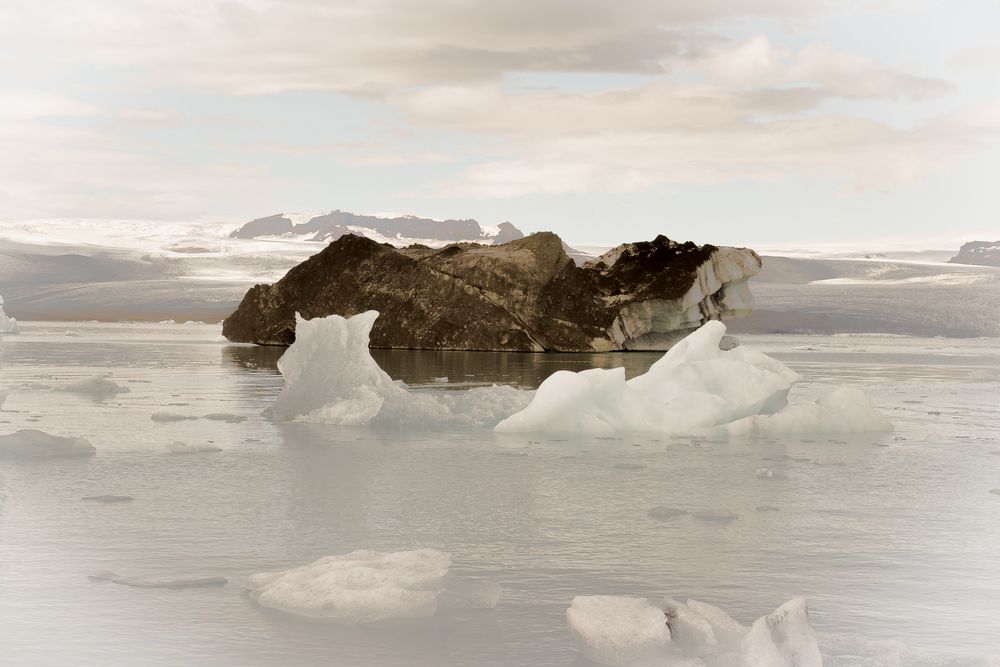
pixel 201 582
pixel 331 378
pixel 633 632
pixel 34 444
pixel 364 586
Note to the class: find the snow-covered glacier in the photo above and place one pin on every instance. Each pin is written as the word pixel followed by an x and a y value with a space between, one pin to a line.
pixel 330 377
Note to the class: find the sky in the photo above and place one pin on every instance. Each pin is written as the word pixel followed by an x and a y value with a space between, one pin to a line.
pixel 769 122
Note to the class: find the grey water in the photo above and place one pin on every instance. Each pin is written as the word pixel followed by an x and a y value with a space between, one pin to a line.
pixel 894 538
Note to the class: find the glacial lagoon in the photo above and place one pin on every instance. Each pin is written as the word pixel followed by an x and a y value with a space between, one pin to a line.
pixel 892 537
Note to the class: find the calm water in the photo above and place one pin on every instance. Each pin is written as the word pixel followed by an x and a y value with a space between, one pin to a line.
pixel 895 539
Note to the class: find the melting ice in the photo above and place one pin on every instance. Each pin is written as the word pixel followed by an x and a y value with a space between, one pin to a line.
pixel 330 377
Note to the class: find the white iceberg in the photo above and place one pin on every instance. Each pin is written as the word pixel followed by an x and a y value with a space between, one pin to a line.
pixel 632 632
pixel 783 638
pixel 331 378
pixel 96 386
pixel 8 325
pixel 34 444
pixel 695 386
pixel 364 586
pixel 616 630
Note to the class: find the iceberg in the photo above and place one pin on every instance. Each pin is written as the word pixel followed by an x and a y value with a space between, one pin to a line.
pixel 35 444
pixel 633 632
pixel 365 586
pixel 696 386
pixel 616 630
pixel 331 378
pixel 8 325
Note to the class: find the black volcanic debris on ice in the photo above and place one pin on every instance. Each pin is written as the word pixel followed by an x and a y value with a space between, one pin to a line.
pixel 524 295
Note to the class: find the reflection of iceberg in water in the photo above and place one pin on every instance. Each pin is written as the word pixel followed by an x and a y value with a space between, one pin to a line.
pixel 8 325
pixel 331 377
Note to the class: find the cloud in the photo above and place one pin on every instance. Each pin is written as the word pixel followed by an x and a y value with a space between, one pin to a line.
pixel 34 104
pixel 371 46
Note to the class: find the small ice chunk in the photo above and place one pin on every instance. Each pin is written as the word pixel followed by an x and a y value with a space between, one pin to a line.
pixel 442 380
pixel 224 417
pixel 358 587
pixel 168 416
pixel 96 386
pixel 727 631
pixel 716 516
pixel 691 632
pixel 783 638
pixel 763 472
pixel 178 447
pixel 8 325
pixel 995 492
pixel 617 631
pixel 34 444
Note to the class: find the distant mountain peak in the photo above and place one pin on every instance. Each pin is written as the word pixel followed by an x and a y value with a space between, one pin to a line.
pixel 398 230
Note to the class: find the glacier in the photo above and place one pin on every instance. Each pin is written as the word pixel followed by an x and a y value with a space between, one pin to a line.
pixel 331 378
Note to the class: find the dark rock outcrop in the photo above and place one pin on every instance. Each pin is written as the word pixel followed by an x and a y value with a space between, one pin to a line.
pixel 331 226
pixel 980 253
pixel 525 295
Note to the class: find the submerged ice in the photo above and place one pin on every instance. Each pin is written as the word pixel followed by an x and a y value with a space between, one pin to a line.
pixel 330 377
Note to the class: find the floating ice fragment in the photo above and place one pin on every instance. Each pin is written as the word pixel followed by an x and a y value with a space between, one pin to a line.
pixel 783 638
pixel 763 472
pixel 365 586
pixel 178 447
pixel 661 513
pixel 96 386
pixel 34 444
pixel 631 632
pixel 331 378
pixel 617 631
pixel 168 416
pixel 105 575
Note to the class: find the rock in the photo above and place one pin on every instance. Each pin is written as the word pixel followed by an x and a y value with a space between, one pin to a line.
pixel 981 253
pixel 524 295
pixel 105 575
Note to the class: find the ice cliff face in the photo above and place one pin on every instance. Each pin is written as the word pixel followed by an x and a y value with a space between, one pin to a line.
pixel 981 253
pixel 525 295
